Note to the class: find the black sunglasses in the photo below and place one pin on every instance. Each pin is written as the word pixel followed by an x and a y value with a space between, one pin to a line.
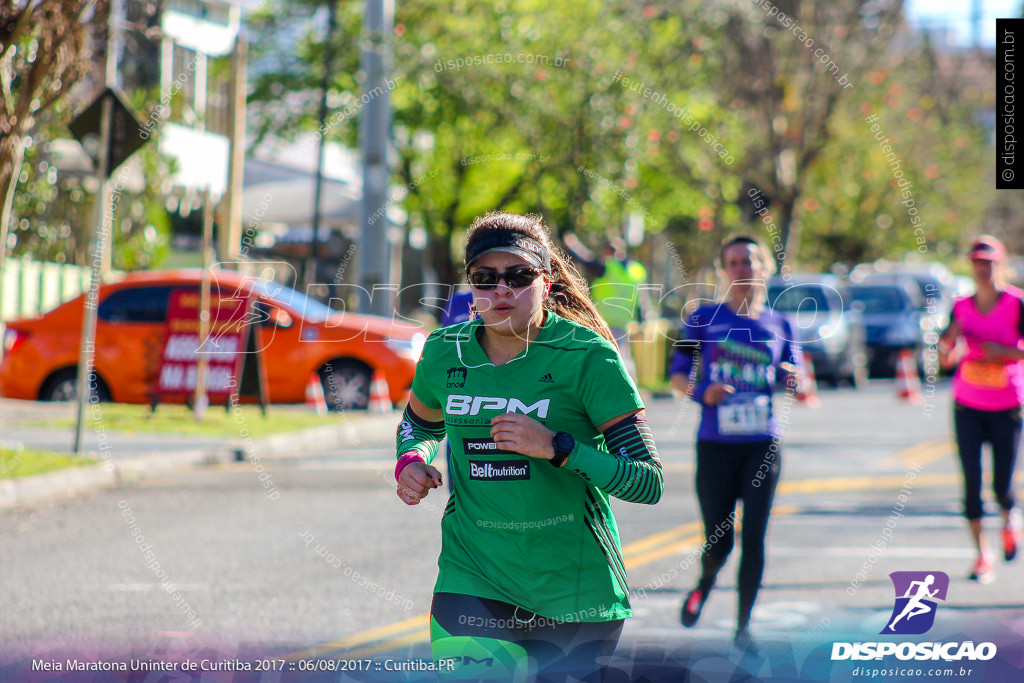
pixel 517 278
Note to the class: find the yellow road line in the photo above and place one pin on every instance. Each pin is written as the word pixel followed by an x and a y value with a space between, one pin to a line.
pixel 368 636
pixel 909 453
pixel 837 484
pixel 925 453
pixel 786 509
pixel 654 547
pixel 678 547
pixel 659 538
pixel 420 636
pixel 693 541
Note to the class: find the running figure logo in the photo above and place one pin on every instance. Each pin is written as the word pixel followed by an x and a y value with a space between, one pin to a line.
pixel 914 611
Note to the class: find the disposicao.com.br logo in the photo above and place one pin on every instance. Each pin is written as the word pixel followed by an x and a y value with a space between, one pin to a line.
pixel 913 613
pixel 913 607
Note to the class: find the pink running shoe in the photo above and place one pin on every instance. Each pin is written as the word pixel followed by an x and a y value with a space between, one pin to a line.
pixel 982 572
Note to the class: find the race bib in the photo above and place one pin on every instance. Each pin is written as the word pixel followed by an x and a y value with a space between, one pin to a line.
pixel 743 414
pixel 984 374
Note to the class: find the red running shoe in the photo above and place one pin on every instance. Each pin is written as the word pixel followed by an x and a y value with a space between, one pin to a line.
pixel 982 572
pixel 1011 536
pixel 692 606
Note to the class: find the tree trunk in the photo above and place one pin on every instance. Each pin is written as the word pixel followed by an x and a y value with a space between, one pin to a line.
pixel 8 183
pixel 7 186
pixel 440 254
pixel 788 234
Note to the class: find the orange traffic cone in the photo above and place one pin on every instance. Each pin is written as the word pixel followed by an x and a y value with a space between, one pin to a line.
pixel 315 398
pixel 908 384
pixel 380 394
pixel 807 392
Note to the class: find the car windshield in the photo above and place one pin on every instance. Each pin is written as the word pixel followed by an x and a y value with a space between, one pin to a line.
pixel 927 285
pixel 932 289
pixel 878 298
pixel 797 298
pixel 296 302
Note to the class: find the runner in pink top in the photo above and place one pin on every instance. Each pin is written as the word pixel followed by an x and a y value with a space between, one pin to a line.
pixel 988 392
pixel 980 381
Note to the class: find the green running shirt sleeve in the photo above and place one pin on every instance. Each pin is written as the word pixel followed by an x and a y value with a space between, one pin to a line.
pixel 630 471
pixel 605 388
pixel 416 434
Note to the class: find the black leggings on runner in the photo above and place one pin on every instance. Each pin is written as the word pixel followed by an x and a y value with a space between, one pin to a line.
pixel 726 473
pixel 557 649
pixel 1002 429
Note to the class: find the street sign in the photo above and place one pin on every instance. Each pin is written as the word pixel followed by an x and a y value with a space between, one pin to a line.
pixel 126 134
pixel 234 366
pixel 225 347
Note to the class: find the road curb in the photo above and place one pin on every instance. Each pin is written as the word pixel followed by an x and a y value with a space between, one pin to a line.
pixel 71 482
pixel 293 445
pixel 66 483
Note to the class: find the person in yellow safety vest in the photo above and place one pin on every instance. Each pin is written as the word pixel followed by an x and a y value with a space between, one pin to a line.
pixel 615 281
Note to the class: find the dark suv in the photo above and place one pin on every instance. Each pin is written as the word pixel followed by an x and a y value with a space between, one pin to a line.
pixel 896 319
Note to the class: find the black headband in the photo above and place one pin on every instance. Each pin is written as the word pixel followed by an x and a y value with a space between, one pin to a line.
pixel 512 242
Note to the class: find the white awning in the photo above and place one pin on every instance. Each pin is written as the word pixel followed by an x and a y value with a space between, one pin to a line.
pixel 291 202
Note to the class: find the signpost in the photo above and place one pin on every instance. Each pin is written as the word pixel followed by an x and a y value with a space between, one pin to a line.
pixel 375 131
pixel 110 134
pixel 201 400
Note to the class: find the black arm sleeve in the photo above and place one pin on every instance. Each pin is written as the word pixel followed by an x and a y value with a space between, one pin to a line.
pixel 630 470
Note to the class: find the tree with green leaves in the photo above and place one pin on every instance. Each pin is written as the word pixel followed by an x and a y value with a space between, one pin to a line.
pixel 791 66
pixel 908 167
pixel 54 210
pixel 46 47
pixel 48 73
pixel 508 106
pixel 674 112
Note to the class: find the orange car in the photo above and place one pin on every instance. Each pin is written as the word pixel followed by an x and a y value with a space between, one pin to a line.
pixel 298 336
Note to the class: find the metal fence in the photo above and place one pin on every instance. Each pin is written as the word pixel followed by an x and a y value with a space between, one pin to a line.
pixel 29 288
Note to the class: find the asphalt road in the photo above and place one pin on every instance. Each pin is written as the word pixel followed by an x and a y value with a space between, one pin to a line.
pixel 206 562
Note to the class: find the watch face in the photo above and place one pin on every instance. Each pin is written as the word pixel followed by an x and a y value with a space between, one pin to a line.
pixel 564 442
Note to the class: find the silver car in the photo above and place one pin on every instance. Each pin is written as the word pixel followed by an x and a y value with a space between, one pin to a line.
pixel 830 332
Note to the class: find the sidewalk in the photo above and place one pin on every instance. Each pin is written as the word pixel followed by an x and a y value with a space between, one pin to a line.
pixel 130 456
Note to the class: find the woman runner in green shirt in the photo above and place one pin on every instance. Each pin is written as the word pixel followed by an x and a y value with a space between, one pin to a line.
pixel 544 424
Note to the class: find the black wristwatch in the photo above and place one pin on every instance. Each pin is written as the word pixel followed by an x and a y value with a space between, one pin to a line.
pixel 563 443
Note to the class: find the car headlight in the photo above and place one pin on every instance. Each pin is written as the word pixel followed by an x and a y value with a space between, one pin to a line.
pixel 832 337
pixel 410 347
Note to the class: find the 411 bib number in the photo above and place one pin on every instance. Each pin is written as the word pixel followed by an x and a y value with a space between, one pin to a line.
pixel 744 414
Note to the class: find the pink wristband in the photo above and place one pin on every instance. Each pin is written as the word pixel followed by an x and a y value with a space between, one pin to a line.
pixel 407 458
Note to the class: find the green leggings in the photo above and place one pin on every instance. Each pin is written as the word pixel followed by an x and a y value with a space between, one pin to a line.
pixel 479 639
